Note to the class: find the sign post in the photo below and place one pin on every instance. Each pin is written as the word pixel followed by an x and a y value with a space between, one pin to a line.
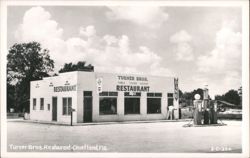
pixel 71 116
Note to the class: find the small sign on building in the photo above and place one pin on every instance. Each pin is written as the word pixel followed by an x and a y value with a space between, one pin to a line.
pixel 99 85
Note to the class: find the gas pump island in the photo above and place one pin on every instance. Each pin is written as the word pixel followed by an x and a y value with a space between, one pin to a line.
pixel 205 112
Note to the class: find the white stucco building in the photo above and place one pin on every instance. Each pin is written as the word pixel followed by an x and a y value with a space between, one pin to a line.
pixel 97 97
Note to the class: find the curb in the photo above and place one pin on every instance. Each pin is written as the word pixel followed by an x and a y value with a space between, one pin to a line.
pixel 94 123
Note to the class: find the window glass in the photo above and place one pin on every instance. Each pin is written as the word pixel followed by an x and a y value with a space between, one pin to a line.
pixel 108 94
pixel 41 103
pixel 48 107
pixel 150 94
pixel 108 105
pixel 170 99
pixel 170 95
pixel 103 94
pixel 132 94
pixel 158 95
pixel 113 93
pixel 64 106
pixel 153 105
pixel 87 93
pixel 34 103
pixel 69 105
pixel 132 105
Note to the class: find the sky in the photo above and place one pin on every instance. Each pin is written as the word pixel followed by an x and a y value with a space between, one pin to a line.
pixel 199 45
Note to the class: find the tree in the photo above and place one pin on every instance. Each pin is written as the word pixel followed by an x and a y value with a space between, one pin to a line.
pixel 197 91
pixel 187 98
pixel 232 96
pixel 26 62
pixel 180 94
pixel 80 66
pixel 219 97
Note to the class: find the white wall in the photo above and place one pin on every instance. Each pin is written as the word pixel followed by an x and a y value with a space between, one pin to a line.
pixel 86 81
pixel 42 89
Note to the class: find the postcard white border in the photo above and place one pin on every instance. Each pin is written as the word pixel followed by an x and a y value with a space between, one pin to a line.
pixel 244 4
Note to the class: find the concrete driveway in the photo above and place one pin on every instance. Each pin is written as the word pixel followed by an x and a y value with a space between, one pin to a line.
pixel 169 137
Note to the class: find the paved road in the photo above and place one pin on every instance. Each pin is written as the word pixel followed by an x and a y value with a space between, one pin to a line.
pixel 168 137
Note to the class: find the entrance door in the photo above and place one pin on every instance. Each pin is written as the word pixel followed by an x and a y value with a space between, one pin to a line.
pixel 54 108
pixel 87 104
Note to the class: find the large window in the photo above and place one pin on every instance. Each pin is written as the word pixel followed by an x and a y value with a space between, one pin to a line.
pixel 67 105
pixel 132 103
pixel 170 99
pixel 41 103
pixel 34 103
pixel 154 103
pixel 108 103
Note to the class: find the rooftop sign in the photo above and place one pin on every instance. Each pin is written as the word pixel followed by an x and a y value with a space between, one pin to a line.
pixel 132 84
pixel 65 88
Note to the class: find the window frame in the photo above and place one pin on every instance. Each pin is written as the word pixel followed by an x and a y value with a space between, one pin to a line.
pixel 41 103
pixel 108 94
pixel 127 96
pixel 107 97
pixel 170 96
pixel 154 96
pixel 48 107
pixel 68 108
pixel 34 105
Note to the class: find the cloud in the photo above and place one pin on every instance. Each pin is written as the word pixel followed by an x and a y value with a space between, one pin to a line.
pixel 109 39
pixel 89 31
pixel 107 53
pixel 226 56
pixel 37 25
pixel 182 46
pixel 181 36
pixel 148 16
pixel 224 60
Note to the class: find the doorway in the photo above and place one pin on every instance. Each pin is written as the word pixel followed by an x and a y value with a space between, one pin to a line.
pixel 54 108
pixel 87 104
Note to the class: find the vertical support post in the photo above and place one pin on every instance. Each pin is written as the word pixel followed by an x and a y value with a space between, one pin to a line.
pixel 71 118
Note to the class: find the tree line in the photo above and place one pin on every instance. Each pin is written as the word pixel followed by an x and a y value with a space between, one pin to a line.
pixel 232 96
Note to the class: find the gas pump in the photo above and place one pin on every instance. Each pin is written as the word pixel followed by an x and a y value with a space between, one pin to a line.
pixel 197 115
pixel 213 113
pixel 206 111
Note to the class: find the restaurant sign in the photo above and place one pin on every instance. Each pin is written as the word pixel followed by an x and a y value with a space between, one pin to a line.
pixel 65 88
pixel 132 88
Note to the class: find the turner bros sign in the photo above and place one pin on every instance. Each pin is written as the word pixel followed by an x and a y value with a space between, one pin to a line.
pixel 132 80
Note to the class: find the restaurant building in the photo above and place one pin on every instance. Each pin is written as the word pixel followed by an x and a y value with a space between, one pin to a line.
pixel 99 97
